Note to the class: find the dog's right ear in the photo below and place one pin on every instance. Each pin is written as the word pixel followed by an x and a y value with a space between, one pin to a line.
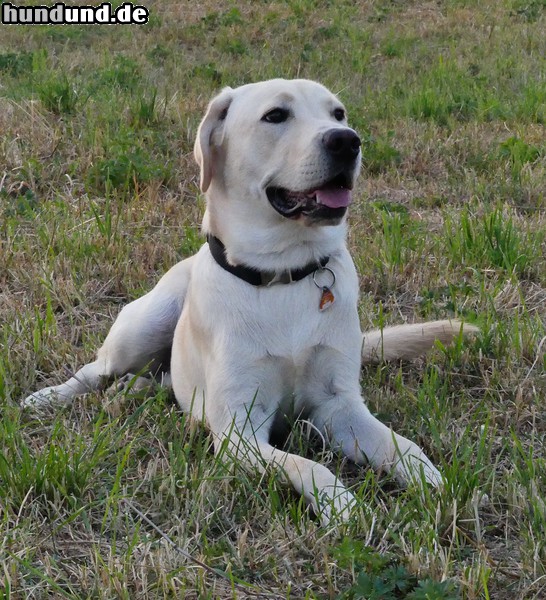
pixel 210 135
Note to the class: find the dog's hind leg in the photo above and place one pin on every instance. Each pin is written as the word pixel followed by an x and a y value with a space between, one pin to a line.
pixel 139 341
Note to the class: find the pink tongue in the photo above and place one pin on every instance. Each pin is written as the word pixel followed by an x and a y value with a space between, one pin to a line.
pixel 334 197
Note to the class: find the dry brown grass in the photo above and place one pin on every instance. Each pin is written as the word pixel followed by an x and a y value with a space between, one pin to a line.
pixel 75 246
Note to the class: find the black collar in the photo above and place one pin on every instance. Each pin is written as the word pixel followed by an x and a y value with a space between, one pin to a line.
pixel 261 278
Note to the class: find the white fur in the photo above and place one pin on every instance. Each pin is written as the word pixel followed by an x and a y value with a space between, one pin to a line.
pixel 242 356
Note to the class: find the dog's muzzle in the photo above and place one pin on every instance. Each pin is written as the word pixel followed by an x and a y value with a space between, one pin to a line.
pixel 327 201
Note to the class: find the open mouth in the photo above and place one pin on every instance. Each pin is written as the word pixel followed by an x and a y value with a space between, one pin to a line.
pixel 327 202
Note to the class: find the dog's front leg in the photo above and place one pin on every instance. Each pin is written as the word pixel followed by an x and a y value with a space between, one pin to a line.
pixel 362 437
pixel 242 428
pixel 322 490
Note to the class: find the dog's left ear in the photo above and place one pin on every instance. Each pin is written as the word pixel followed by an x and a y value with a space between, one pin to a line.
pixel 209 135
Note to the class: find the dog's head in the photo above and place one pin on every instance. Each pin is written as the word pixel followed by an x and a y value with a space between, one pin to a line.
pixel 275 152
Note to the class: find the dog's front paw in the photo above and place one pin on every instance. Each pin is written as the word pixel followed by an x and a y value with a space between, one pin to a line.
pixel 335 506
pixel 413 466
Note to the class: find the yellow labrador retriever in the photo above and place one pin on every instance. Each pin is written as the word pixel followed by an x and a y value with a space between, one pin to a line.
pixel 263 320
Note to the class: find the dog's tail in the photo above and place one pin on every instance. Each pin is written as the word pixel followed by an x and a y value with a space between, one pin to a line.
pixel 409 341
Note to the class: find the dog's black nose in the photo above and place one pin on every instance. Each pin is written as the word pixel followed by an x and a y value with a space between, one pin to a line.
pixel 342 144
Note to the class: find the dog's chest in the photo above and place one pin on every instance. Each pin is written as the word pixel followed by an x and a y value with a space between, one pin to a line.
pixel 281 320
pixel 274 339
pixel 288 321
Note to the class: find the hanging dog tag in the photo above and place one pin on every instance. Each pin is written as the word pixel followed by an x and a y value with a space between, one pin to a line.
pixel 327 298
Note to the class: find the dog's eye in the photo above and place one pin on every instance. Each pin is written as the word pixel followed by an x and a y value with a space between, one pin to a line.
pixel 276 115
pixel 339 114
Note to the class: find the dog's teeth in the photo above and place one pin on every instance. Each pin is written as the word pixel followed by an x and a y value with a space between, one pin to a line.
pixel 297 206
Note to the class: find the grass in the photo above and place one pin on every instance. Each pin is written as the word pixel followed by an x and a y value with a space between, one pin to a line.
pixel 120 496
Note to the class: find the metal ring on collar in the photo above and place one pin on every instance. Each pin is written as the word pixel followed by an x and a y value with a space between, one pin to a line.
pixel 321 270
